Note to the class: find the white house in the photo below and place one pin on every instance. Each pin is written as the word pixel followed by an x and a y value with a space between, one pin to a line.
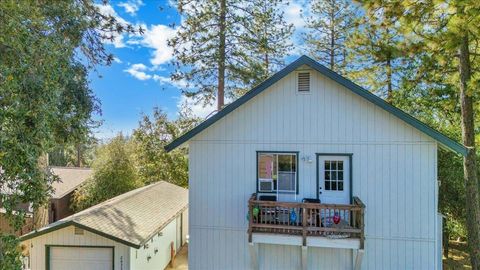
pixel 259 166
pixel 138 230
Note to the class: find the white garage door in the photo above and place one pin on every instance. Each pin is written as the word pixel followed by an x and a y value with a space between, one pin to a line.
pixel 81 258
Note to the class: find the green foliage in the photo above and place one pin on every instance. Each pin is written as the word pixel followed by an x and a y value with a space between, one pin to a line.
pixel 124 164
pixel 150 138
pixel 452 193
pixel 11 252
pixel 330 24
pixel 377 54
pixel 44 93
pixel 114 174
pixel 79 154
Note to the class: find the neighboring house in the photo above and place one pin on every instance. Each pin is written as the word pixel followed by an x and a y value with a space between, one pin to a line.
pixel 259 167
pixel 5 225
pixel 137 230
pixel 70 179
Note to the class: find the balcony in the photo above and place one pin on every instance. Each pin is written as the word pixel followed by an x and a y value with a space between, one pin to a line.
pixel 306 223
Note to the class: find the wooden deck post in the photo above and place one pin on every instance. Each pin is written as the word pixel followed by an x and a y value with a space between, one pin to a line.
pixel 172 254
pixel 304 257
pixel 252 248
pixel 250 219
pixel 304 239
pixel 362 227
pixel 358 259
pixel 304 225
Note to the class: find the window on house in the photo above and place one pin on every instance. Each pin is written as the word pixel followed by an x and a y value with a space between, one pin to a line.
pixel 303 81
pixel 277 172
pixel 334 175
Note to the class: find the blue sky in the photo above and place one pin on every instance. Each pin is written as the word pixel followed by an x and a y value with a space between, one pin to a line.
pixel 139 80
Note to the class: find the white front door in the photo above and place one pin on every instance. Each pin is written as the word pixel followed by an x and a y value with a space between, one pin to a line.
pixel 80 258
pixel 334 179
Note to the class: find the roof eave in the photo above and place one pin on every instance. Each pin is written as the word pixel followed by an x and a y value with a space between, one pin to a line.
pixel 304 60
pixel 76 224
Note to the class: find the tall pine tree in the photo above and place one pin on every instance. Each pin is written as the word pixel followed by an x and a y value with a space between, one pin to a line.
pixel 446 35
pixel 329 25
pixel 223 47
pixel 266 39
pixel 206 48
pixel 375 55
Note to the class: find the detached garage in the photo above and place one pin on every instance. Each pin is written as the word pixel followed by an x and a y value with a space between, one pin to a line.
pixel 140 229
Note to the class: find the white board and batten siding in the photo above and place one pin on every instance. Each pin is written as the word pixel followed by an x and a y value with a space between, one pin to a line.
pixel 158 247
pixel 67 237
pixel 393 173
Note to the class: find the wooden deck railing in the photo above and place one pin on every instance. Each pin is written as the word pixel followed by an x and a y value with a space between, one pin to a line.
pixel 306 219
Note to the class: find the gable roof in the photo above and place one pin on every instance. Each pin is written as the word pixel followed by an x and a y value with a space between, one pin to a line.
pixel 70 179
pixel 305 60
pixel 131 218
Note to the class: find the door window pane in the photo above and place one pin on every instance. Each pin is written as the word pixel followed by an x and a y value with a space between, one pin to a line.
pixel 334 175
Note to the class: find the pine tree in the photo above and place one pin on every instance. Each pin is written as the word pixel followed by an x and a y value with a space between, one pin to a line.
pixel 205 48
pixel 446 37
pixel 329 25
pixel 266 39
pixel 224 47
pixel 375 55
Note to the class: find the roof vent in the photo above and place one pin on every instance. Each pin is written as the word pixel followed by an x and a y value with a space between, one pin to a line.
pixel 303 81
pixel 78 231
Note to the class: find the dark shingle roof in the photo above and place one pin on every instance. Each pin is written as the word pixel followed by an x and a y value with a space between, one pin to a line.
pixel 70 179
pixel 131 218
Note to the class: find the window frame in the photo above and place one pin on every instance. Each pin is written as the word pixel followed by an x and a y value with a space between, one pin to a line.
pixel 296 153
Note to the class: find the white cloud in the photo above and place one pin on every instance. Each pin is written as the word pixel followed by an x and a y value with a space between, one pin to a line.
pixel 117 60
pixel 293 14
pixel 138 71
pixel 131 6
pixel 141 72
pixel 156 37
pixel 198 109
pixel 167 80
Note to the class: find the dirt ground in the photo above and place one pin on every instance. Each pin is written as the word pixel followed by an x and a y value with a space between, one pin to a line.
pixel 458 257
pixel 181 260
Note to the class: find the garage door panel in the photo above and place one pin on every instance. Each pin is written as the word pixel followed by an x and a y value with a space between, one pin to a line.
pixel 81 258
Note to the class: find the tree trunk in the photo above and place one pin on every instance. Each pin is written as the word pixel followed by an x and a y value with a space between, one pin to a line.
pixel 267 66
pixel 332 40
pixel 469 161
pixel 221 55
pixel 79 155
pixel 446 238
pixel 389 81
